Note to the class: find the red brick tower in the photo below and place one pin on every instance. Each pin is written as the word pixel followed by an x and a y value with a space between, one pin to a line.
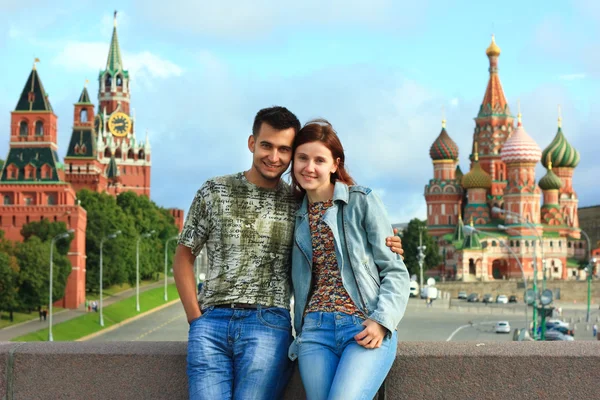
pixel 493 126
pixel 83 166
pixel 32 182
pixel 125 159
pixel 443 193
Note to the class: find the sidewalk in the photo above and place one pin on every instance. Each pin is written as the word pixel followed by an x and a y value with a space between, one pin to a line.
pixel 34 325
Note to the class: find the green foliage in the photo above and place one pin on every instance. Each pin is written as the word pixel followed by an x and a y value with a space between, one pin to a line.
pixel 1 164
pixel 8 283
pixel 410 243
pixel 46 230
pixel 133 215
pixel 33 257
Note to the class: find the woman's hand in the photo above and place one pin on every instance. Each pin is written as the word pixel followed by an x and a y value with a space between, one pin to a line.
pixel 395 244
pixel 372 336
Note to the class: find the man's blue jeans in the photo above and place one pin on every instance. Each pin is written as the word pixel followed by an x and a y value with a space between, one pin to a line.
pixel 239 354
pixel 333 366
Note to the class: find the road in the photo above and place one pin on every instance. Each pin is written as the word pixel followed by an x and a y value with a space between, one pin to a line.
pixel 419 324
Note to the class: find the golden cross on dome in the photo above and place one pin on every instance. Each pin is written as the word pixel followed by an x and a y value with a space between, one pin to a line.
pixel 443 117
pixel 476 154
pixel 559 117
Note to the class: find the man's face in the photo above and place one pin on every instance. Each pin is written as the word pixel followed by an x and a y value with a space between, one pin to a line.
pixel 272 151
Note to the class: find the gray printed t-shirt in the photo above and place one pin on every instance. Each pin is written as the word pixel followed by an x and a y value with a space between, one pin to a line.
pixel 248 231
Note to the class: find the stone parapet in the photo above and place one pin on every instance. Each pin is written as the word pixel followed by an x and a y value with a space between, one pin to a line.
pixel 422 370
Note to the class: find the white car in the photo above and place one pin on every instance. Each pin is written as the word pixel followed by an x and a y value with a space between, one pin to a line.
pixel 502 299
pixel 557 322
pixel 502 327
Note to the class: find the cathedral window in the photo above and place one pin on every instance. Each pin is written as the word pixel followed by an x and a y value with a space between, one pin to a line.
pixel 119 81
pixel 39 128
pixel 130 154
pixel 551 243
pixel 108 81
pixel 107 153
pixel 569 244
pixel 141 155
pixel 118 153
pixel 23 128
pixel 512 243
pixel 83 115
pixel 494 244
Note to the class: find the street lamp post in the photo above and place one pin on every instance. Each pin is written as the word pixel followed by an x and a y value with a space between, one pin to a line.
pixel 166 252
pixel 51 278
pixel 503 244
pixel 137 268
pixel 498 210
pixel 421 256
pixel 111 236
pixel 590 270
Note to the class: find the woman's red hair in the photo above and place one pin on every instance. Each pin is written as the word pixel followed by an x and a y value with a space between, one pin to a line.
pixel 320 130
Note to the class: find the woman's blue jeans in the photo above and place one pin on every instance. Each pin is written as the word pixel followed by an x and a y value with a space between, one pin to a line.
pixel 333 366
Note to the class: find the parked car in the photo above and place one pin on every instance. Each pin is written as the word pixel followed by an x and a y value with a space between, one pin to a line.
pixel 556 322
pixel 512 299
pixel 487 298
pixel 501 298
pixel 554 335
pixel 462 295
pixel 502 327
pixel 562 327
pixel 473 298
pixel 414 289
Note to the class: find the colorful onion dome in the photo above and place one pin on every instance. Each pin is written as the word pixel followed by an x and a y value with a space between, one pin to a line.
pixel 443 148
pixel 550 181
pixel 560 152
pixel 493 49
pixel 476 178
pixel 520 147
pixel 458 173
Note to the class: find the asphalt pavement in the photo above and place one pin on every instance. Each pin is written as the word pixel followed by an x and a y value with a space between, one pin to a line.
pixel 420 323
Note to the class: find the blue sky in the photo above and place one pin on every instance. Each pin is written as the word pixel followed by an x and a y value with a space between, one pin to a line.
pixel 380 71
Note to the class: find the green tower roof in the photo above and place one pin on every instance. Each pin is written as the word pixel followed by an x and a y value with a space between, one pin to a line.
pixel 33 97
pixel 560 152
pixel 472 240
pixel 112 171
pixel 550 181
pixel 84 98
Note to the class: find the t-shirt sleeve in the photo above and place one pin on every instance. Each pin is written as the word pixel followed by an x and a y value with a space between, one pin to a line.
pixel 197 223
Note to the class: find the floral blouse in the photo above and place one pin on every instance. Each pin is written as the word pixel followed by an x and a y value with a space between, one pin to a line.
pixel 328 292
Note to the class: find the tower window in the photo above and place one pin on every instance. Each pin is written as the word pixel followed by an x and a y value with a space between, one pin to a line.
pixel 23 128
pixel 108 81
pixel 83 115
pixel 39 128
pixel 107 153
pixel 119 81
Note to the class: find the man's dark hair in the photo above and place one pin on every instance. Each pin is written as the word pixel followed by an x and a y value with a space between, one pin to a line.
pixel 279 118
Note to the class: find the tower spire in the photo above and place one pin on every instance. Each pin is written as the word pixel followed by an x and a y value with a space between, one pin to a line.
pixel 494 101
pixel 559 117
pixel 114 62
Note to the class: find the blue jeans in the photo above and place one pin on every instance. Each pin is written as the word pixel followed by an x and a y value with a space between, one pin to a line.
pixel 333 366
pixel 239 354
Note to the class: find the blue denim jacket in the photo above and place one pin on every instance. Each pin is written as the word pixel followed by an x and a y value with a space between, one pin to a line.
pixel 375 278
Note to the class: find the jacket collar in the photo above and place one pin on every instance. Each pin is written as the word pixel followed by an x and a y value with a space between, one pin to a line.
pixel 340 193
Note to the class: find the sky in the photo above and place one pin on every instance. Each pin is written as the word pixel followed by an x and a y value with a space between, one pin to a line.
pixel 380 71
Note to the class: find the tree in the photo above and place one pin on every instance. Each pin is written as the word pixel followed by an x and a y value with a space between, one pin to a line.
pixel 8 284
pixel 105 217
pixel 410 244
pixel 1 164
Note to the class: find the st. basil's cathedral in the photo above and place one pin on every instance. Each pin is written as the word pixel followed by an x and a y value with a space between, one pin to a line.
pixel 502 176
pixel 105 154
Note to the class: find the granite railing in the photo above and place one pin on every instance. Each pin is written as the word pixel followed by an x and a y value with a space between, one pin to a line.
pixel 422 370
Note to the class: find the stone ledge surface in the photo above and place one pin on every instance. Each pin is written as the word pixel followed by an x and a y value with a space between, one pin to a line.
pixel 430 370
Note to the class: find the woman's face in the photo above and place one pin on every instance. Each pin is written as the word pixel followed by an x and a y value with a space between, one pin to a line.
pixel 313 166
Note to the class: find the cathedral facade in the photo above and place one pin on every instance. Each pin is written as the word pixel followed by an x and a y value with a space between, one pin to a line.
pixel 516 222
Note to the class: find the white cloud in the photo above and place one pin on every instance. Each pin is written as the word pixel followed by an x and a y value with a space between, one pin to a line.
pixel 250 19
pixel 91 56
pixel 572 77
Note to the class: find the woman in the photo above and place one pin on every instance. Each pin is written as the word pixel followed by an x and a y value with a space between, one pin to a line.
pixel 350 291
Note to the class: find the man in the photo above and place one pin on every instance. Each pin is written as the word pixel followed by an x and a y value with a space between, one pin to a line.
pixel 238 342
